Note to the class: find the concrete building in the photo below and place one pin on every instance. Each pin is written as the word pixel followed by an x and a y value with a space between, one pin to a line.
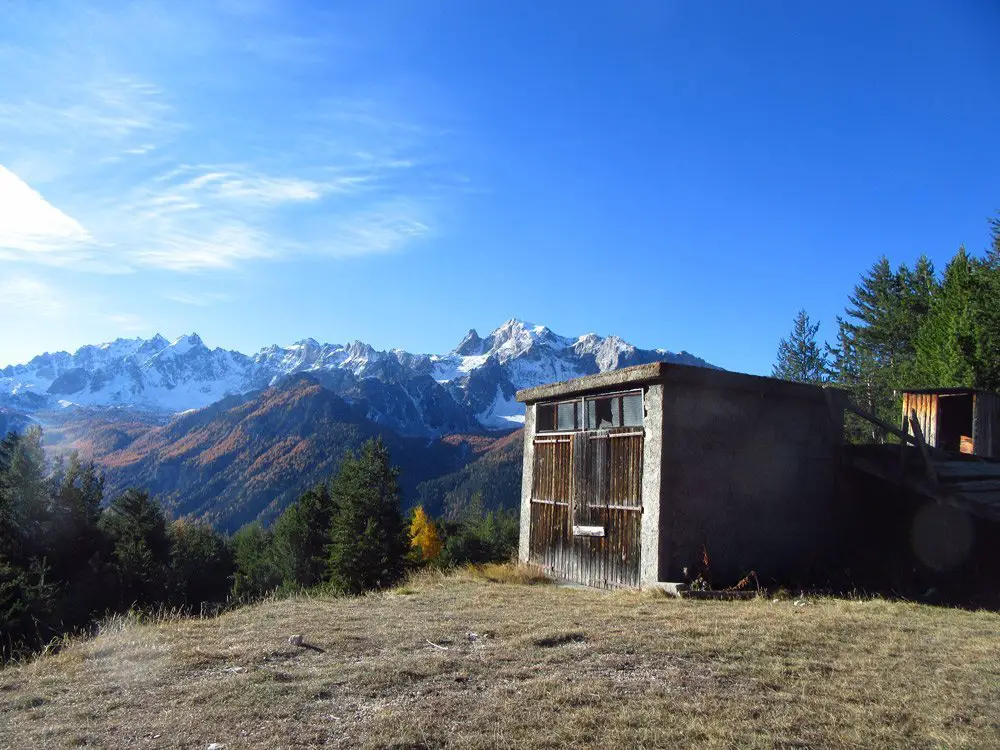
pixel 664 472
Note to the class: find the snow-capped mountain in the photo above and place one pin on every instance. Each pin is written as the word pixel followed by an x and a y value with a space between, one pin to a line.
pixel 469 388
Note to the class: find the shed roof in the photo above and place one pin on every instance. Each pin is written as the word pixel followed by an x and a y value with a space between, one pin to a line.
pixel 945 391
pixel 666 372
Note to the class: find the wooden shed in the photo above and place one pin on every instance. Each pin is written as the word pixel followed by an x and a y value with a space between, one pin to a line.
pixel 662 472
pixel 956 419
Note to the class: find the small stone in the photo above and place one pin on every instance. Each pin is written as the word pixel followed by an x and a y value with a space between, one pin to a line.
pixel 216 746
pixel 295 640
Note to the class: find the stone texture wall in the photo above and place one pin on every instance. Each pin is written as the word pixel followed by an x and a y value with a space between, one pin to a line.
pixel 750 477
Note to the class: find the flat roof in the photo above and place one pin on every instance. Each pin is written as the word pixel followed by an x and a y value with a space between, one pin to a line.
pixel 665 372
pixel 945 391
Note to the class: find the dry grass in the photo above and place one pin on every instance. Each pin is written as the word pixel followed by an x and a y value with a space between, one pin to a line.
pixel 521 666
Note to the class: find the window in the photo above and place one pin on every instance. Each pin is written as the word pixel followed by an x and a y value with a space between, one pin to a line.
pixel 620 410
pixel 545 417
pixel 593 413
pixel 560 417
pixel 566 416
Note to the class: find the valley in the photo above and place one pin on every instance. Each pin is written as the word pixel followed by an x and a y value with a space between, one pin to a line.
pixel 228 438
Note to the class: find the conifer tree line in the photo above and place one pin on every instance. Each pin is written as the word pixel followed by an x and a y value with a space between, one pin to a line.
pixel 908 327
pixel 68 557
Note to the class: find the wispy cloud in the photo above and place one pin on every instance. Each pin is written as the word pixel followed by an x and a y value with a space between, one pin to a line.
pixel 128 322
pixel 190 171
pixel 199 299
pixel 209 249
pixel 30 294
pixel 381 230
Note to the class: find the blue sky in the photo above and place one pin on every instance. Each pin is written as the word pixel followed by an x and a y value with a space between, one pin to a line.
pixel 684 175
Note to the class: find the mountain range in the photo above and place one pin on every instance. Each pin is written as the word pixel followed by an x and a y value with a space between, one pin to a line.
pixel 468 389
pixel 231 438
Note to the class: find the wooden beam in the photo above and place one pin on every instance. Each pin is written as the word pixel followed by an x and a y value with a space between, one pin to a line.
pixel 919 435
pixel 879 422
pixel 891 429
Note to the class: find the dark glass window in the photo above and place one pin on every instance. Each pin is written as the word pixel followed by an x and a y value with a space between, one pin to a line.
pixel 545 417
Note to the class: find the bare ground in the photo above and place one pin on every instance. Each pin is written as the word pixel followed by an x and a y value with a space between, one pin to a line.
pixel 461 662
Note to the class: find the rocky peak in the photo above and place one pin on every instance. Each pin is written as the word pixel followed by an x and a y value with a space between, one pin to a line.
pixel 470 345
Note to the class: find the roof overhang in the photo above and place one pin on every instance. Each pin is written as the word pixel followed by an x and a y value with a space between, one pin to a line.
pixel 668 372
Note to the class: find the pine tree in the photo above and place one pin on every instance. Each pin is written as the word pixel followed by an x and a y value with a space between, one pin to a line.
pixel 137 528
pixel 368 540
pixel 875 354
pixel 993 253
pixel 201 564
pixel 253 554
pixel 29 498
pixel 424 538
pixel 302 536
pixel 954 345
pixel 800 357
pixel 9 531
pixel 76 496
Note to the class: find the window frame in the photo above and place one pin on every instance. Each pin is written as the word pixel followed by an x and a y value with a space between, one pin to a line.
pixel 580 403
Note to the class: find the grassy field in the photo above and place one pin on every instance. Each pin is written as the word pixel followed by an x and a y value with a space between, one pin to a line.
pixel 464 662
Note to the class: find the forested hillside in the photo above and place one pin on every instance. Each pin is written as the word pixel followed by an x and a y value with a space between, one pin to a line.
pixel 493 481
pixel 248 457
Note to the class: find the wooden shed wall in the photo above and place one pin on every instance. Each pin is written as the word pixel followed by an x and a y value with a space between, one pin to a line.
pixel 926 406
pixel 986 424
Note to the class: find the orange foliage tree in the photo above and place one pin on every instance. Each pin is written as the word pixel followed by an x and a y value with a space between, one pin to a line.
pixel 424 535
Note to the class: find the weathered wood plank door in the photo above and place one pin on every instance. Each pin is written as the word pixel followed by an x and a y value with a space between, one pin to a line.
pixel 586 509
pixel 551 541
pixel 607 506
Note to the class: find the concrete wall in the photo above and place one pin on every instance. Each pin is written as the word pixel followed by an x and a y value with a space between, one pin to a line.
pixel 527 482
pixel 751 476
pixel 652 455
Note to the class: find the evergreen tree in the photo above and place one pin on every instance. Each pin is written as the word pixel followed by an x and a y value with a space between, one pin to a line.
pixel 137 529
pixel 952 339
pixel 253 555
pixel 201 563
pixel 9 531
pixel 800 357
pixel 29 498
pixel 993 253
pixel 424 538
pixel 481 536
pixel 875 354
pixel 368 535
pixel 76 497
pixel 302 537
pixel 27 599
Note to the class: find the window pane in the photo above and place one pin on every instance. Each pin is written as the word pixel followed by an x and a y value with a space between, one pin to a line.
pixel 545 418
pixel 632 407
pixel 566 416
pixel 604 414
